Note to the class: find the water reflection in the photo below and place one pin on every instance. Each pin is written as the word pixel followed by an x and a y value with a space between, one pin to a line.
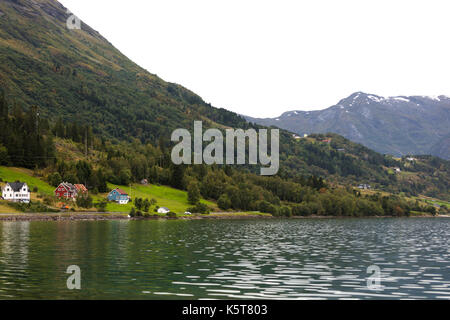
pixel 250 259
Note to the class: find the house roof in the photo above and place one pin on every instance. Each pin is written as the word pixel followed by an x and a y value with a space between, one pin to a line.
pixel 81 187
pixel 120 191
pixel 164 208
pixel 68 186
pixel 16 186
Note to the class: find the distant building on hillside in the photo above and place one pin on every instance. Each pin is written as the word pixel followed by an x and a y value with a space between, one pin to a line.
pixel 410 159
pixel 119 196
pixel 163 210
pixel 16 192
pixel 66 190
pixel 365 186
pixel 397 169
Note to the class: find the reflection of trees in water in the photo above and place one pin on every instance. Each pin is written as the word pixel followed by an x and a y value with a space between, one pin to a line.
pixel 14 243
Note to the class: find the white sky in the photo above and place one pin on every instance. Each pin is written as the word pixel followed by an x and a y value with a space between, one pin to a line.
pixel 261 58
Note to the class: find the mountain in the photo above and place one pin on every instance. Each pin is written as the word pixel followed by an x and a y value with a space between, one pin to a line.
pixel 77 76
pixel 396 125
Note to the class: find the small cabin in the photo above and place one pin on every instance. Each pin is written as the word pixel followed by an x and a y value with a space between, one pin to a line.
pixel 119 196
pixel 364 186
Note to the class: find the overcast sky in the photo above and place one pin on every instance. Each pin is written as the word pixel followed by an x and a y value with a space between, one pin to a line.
pixel 261 58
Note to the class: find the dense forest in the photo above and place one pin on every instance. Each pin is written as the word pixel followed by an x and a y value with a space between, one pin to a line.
pixel 29 141
pixel 64 85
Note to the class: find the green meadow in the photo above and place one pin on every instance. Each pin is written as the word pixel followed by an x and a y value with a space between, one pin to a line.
pixel 8 174
pixel 175 200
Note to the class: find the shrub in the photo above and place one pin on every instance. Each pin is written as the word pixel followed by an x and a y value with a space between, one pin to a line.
pixel 54 179
pixel 224 202
pixel 285 211
pixel 101 205
pixel 138 202
pixel 267 207
pixel 84 201
pixel 430 209
pixel 301 209
pixel 171 214
pixel 200 208
pixel 146 205
pixel 48 200
pixel 31 207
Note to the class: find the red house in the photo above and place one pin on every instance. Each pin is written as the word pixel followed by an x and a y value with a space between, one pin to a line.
pixel 66 190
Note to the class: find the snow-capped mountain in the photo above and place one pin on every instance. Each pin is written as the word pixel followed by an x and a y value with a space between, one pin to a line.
pixel 394 125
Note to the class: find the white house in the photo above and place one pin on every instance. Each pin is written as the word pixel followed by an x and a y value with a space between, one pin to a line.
pixel 163 210
pixel 364 186
pixel 16 192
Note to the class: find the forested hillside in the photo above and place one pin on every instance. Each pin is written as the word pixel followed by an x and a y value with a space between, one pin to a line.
pixel 64 88
pixel 80 76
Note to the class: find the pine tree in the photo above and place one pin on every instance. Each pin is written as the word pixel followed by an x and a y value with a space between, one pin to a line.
pixel 177 178
pixel 3 106
pixel 193 193
pixel 59 128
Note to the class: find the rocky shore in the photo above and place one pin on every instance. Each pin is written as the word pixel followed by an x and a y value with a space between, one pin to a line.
pixel 122 216
pixel 60 217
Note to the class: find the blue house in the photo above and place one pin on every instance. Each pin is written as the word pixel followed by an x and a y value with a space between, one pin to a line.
pixel 119 196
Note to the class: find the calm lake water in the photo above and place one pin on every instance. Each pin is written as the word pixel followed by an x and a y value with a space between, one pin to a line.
pixel 226 259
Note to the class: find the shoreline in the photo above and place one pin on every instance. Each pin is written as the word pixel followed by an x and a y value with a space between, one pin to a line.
pixel 97 216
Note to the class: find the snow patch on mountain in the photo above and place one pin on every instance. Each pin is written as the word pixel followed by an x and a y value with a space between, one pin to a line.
pixel 401 99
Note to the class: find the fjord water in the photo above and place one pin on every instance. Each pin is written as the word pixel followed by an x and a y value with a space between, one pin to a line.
pixel 227 259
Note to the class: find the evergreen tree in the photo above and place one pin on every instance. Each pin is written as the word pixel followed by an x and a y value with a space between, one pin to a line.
pixel 193 193
pixel 177 177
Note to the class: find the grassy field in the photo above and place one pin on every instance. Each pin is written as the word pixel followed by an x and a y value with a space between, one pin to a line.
pixel 25 175
pixel 4 208
pixel 434 201
pixel 175 200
